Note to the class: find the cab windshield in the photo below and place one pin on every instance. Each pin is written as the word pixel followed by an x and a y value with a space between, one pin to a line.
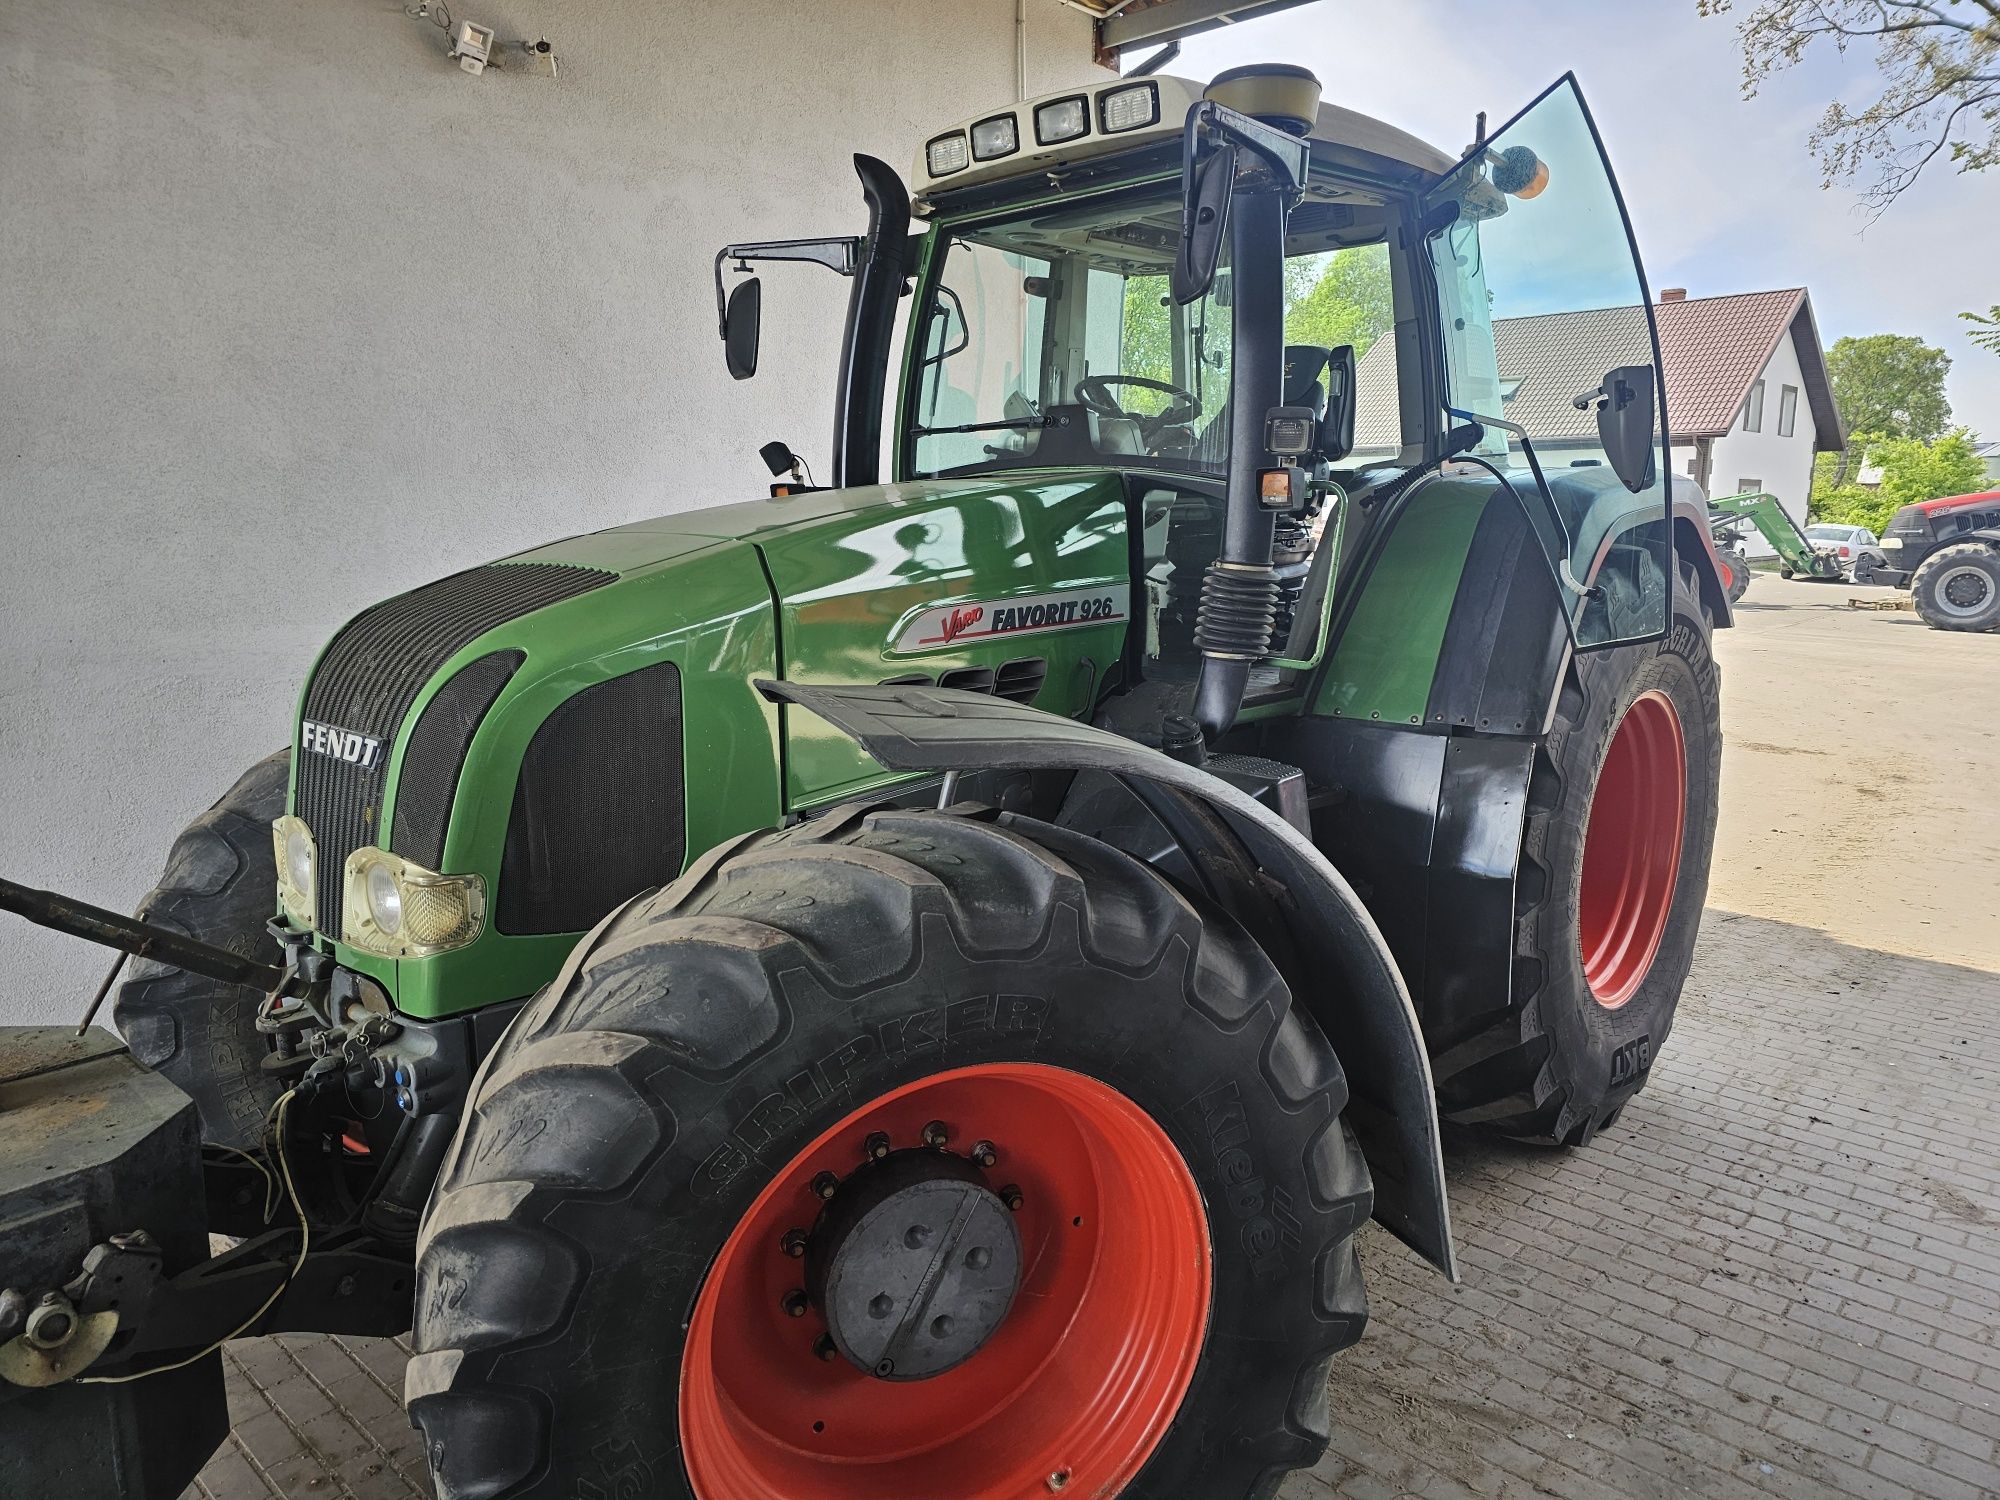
pixel 1050 338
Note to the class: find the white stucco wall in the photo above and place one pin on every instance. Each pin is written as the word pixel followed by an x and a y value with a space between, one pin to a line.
pixel 297 315
pixel 1783 464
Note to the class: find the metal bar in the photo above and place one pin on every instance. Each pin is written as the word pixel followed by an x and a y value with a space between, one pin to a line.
pixel 141 939
pixel 1164 20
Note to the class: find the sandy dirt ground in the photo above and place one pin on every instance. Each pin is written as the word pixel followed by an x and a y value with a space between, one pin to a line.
pixel 1860 774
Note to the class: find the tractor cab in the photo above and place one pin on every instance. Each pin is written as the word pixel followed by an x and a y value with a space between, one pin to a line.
pixel 1376 311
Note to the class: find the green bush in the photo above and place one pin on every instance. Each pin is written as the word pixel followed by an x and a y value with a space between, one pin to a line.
pixel 1911 471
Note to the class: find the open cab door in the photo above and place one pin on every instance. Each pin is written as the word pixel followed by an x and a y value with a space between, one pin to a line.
pixel 1550 348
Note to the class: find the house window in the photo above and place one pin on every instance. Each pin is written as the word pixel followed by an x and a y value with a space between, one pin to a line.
pixel 1749 486
pixel 1788 409
pixel 1753 409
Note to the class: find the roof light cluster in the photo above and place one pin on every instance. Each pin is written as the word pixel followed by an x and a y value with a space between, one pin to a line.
pixel 1120 107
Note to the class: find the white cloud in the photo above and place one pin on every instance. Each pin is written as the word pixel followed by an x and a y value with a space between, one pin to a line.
pixel 1723 192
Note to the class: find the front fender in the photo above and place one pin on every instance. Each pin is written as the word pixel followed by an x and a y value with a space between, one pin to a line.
pixel 1369 1019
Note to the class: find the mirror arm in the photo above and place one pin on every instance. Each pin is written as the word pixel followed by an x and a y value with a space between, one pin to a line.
pixel 839 255
pixel 1285 155
pixel 1564 576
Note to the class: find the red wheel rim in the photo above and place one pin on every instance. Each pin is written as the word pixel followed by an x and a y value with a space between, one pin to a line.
pixel 1632 849
pixel 1081 1380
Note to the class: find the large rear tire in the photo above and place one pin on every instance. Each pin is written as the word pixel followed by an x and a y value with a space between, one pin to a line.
pixel 1958 587
pixel 1614 870
pixel 221 886
pixel 606 1296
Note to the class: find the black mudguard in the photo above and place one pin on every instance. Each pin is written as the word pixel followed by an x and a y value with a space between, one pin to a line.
pixel 1369 1018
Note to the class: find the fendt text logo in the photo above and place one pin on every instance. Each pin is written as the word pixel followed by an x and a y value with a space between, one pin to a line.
pixel 340 744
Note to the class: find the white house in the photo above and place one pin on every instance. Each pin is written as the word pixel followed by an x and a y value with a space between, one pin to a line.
pixel 1748 399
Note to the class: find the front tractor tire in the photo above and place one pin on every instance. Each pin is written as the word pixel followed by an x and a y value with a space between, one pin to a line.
pixel 1958 587
pixel 1619 828
pixel 899 1153
pixel 221 886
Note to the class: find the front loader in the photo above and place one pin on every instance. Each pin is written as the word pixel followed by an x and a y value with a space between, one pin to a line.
pixel 915 986
pixel 1731 516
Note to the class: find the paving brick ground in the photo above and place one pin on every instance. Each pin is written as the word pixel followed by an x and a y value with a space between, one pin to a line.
pixel 1778 1275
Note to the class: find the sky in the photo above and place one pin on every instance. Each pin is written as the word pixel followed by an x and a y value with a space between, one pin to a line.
pixel 1724 192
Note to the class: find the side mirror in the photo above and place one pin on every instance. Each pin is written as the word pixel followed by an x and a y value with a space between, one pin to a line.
pixel 1204 224
pixel 1336 428
pixel 1627 425
pixel 742 323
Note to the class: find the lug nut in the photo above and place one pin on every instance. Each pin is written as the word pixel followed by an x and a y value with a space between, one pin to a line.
pixel 795 1303
pixel 1011 1196
pixel 1058 1480
pixel 794 1243
pixel 937 1134
pixel 823 1346
pixel 876 1146
pixel 825 1185
pixel 984 1154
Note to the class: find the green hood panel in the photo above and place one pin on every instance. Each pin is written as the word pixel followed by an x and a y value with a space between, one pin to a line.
pixel 874 582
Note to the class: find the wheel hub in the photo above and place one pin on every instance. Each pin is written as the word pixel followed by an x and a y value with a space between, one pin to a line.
pixel 1965 589
pixel 914 1263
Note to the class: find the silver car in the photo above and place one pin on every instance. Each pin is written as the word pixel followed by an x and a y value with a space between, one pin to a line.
pixel 1858 548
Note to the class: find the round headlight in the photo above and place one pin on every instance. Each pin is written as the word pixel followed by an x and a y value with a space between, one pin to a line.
pixel 385 899
pixel 299 859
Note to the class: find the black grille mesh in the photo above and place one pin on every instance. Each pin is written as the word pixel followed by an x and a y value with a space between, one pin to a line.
pixel 376 666
pixel 598 811
pixel 436 752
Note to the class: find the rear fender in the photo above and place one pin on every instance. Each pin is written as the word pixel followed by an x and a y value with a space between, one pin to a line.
pixel 1694 545
pixel 1261 866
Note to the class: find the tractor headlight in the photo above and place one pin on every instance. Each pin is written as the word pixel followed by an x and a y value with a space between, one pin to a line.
pixel 401 910
pixel 994 138
pixel 1061 120
pixel 947 154
pixel 298 862
pixel 1131 108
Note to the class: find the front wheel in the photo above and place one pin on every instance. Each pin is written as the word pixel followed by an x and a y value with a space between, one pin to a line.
pixel 1958 587
pixel 900 1153
pixel 1738 567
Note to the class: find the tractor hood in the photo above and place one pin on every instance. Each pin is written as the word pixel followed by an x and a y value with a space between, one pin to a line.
pixel 571 724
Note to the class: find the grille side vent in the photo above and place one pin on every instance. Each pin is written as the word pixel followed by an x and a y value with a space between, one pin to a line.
pixel 1021 680
pixel 967 679
pixel 373 670
pixel 599 811
pixel 436 754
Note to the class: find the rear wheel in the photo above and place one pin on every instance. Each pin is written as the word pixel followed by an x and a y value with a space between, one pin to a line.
pixel 1614 870
pixel 1958 587
pixel 899 1153
pixel 220 885
pixel 1739 571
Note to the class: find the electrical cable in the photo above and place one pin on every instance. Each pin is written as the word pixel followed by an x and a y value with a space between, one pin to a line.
pixel 282 1109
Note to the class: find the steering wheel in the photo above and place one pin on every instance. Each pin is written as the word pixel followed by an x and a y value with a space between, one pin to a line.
pixel 1092 394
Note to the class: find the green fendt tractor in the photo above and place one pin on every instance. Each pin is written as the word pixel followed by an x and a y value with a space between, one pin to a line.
pixel 914 987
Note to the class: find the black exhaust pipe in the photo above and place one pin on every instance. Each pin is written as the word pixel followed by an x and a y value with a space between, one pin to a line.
pixel 1239 594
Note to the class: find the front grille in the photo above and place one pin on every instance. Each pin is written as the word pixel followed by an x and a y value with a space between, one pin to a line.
pixel 371 673
pixel 599 814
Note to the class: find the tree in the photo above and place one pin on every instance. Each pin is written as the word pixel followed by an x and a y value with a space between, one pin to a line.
pixel 1938 62
pixel 1891 385
pixel 1988 327
pixel 1911 471
pixel 1348 299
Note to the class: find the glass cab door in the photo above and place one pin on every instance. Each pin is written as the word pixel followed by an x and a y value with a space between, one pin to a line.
pixel 1547 331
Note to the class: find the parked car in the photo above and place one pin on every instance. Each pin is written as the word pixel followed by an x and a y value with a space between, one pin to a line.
pixel 1860 553
pixel 1946 552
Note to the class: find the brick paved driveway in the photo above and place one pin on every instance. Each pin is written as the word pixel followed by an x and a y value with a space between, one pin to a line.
pixel 1779 1275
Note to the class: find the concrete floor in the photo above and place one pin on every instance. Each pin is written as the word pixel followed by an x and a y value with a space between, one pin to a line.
pixel 1779 1275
